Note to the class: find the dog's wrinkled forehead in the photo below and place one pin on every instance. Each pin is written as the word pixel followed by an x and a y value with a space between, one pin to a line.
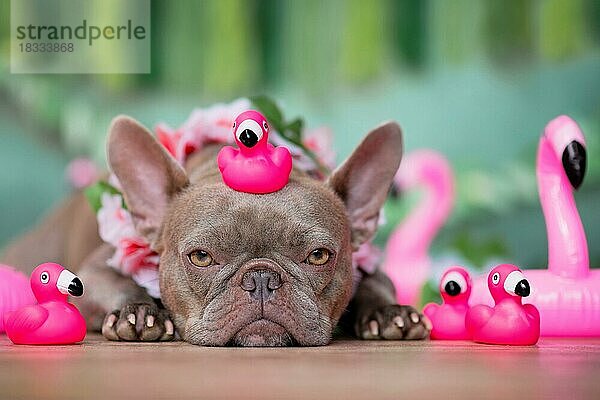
pixel 303 215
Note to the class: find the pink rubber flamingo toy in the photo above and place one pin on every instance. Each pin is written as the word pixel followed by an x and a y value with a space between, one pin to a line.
pixel 257 166
pixel 567 294
pixel 509 321
pixel 53 320
pixel 15 291
pixel 448 319
pixel 407 261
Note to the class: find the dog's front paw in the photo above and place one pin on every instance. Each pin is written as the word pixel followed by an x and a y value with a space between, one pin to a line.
pixel 393 322
pixel 138 322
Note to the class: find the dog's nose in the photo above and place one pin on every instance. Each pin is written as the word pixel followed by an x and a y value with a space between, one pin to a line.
pixel 261 283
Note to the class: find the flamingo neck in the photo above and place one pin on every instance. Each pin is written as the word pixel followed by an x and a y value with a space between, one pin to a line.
pixel 257 150
pixel 44 298
pixel 567 243
pixel 506 300
pixel 412 239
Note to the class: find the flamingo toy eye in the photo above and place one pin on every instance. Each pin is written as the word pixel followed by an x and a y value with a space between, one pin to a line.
pixel 265 125
pixel 454 284
pixel 233 124
pixel 44 277
pixel 496 278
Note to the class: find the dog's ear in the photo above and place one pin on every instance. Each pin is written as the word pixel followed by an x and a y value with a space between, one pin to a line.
pixel 148 174
pixel 364 179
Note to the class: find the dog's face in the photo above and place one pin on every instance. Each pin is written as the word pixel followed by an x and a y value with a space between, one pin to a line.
pixel 246 269
pixel 256 269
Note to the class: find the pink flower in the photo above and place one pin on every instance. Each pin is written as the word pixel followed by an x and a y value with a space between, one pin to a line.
pixel 320 142
pixel 133 254
pixel 215 123
pixel 82 172
pixel 367 257
pixel 176 143
pixel 115 225
pixel 204 126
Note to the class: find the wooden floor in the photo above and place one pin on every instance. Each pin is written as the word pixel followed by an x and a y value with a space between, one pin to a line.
pixel 347 369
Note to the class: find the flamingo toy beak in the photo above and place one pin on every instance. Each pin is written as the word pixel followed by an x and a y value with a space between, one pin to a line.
pixel 523 289
pixel 69 283
pixel 248 138
pixel 574 162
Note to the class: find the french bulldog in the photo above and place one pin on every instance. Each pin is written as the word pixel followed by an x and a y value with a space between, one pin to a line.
pixel 235 268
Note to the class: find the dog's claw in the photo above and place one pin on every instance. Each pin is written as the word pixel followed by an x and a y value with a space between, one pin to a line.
pixel 138 322
pixel 393 322
pixel 414 317
pixel 170 329
pixel 399 322
pixel 374 328
pixel 110 321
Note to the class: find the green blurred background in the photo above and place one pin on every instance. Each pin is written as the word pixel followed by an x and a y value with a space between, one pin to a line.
pixel 475 80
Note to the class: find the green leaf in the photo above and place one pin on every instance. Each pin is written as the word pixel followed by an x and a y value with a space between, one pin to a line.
pixel 477 251
pixel 430 293
pixel 270 110
pixel 293 130
pixel 93 193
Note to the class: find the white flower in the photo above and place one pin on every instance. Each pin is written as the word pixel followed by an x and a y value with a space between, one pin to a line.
pixel 148 279
pixel 114 222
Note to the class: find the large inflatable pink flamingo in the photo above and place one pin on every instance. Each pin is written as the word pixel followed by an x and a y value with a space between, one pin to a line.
pixel 15 292
pixel 407 261
pixel 567 294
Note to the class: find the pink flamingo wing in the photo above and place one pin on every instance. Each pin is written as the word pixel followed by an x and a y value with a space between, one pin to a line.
pixel 531 311
pixel 28 318
pixel 282 158
pixel 226 154
pixel 477 316
pixel 430 309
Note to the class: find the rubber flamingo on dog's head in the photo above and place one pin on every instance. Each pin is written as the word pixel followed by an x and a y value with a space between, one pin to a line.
pixel 407 261
pixel 256 166
pixel 568 293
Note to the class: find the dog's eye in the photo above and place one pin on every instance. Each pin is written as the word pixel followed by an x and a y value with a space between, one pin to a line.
pixel 200 258
pixel 318 257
